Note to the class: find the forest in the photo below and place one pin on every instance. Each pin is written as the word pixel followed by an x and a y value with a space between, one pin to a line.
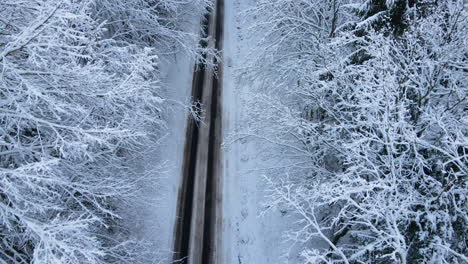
pixel 80 92
pixel 362 105
pixel 368 99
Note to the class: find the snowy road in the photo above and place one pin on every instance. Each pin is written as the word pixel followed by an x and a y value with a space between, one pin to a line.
pixel 199 202
pixel 222 189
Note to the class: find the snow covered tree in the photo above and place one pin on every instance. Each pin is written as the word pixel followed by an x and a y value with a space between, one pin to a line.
pixel 161 24
pixel 79 93
pixel 373 120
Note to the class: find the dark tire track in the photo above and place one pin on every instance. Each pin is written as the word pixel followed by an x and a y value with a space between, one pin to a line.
pixel 212 186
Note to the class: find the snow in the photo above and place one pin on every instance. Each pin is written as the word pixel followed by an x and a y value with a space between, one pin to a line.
pixel 180 83
pixel 153 215
pixel 249 236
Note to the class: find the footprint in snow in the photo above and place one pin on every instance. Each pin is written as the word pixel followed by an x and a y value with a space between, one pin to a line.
pixel 243 140
pixel 244 213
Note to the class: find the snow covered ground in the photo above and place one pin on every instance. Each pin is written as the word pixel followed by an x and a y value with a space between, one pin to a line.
pixel 249 236
pixel 152 216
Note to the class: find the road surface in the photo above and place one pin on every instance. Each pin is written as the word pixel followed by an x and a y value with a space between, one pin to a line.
pixel 197 239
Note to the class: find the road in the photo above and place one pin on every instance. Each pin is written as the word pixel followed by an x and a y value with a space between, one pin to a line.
pixel 197 230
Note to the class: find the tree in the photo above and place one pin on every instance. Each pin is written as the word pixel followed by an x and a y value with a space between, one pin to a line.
pixel 79 94
pixel 379 141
